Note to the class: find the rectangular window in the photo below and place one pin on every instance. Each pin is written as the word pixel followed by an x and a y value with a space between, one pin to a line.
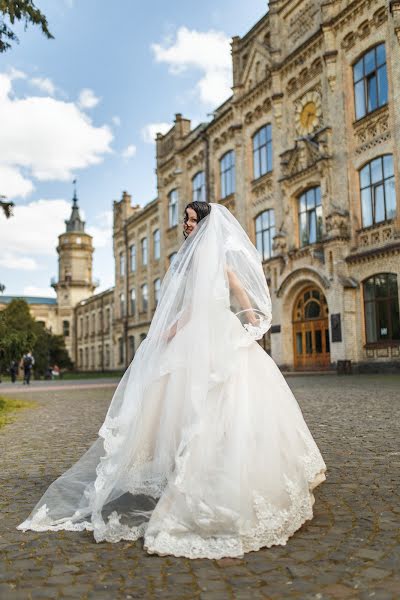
pixel 133 301
pixel 121 350
pixel 132 253
pixel 156 244
pixel 173 208
pixel 262 151
pixel 227 174
pixel 370 81
pixel 121 264
pixel 144 251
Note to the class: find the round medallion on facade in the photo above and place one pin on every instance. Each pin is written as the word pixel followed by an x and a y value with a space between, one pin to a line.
pixel 308 113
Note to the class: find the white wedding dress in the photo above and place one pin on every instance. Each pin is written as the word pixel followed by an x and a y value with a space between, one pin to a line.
pixel 204 451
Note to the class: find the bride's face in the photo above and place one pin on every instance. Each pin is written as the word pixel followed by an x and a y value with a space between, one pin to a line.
pixel 190 221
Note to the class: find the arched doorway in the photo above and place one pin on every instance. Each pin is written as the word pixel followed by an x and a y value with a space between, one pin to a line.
pixel 311 330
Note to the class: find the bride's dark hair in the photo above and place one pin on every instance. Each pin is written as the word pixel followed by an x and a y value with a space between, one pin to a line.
pixel 202 209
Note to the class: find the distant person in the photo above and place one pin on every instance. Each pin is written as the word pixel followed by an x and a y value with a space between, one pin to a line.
pixel 27 364
pixel 55 372
pixel 13 370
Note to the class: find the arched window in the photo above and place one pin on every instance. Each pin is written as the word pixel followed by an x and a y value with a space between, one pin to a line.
pixel 381 308
pixel 310 217
pixel 378 195
pixel 173 208
pixel 156 244
pixel 145 296
pixel 171 257
pixel 265 231
pixel 157 287
pixel 370 81
pixel 199 187
pixel 227 174
pixel 262 151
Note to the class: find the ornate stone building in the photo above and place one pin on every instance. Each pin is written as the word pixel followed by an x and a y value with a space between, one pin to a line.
pixel 305 153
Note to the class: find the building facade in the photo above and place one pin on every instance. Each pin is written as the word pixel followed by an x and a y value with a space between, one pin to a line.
pixel 305 154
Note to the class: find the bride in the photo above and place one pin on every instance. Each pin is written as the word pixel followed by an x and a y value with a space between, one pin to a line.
pixel 204 451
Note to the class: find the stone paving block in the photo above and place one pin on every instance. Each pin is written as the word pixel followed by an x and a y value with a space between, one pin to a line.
pixel 350 547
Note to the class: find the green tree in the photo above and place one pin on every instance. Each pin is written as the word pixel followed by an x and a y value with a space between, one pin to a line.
pixel 12 11
pixel 19 332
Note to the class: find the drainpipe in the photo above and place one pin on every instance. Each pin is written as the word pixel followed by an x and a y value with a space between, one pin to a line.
pixel 207 164
pixel 126 294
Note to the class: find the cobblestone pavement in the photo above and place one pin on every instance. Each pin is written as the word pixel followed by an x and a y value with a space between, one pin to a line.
pixel 350 550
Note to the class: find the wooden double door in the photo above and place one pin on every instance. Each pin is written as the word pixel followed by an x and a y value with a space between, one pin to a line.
pixel 311 330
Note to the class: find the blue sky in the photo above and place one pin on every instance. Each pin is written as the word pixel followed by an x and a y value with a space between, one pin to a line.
pixel 87 104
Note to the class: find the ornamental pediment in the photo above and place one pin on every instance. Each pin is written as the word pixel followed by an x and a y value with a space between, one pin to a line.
pixel 257 67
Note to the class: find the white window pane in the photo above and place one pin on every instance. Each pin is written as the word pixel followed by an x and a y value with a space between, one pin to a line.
pixel 366 206
pixel 390 194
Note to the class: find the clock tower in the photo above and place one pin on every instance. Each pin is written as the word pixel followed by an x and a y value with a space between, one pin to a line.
pixel 75 283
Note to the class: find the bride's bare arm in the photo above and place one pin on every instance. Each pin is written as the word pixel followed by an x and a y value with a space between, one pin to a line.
pixel 240 294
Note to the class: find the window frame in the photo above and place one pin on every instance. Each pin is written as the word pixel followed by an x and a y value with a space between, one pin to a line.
pixel 173 201
pixel 260 231
pixel 377 301
pixel 144 251
pixel 156 244
pixel 199 193
pixel 257 146
pixel 227 174
pixel 144 300
pixel 373 187
pixel 366 78
pixel 132 257
pixel 308 212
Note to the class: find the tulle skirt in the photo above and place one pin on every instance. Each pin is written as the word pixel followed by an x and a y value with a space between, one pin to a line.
pixel 217 480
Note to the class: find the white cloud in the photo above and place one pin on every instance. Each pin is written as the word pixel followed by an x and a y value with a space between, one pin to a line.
pixel 49 138
pixel 33 290
pixel 34 228
pixel 88 99
pixel 208 52
pixel 102 230
pixel 16 74
pixel 129 151
pixel 8 260
pixel 150 131
pixel 44 84
pixel 13 183
pixel 116 120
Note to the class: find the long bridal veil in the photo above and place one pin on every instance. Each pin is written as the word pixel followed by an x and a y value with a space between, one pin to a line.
pixel 189 455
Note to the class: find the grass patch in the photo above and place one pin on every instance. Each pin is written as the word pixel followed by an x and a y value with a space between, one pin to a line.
pixel 8 406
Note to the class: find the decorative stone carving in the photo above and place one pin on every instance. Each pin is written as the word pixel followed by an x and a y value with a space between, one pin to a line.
pixel 352 37
pixel 303 21
pixel 395 10
pixel 195 160
pixel 279 245
pixel 258 111
pixel 337 223
pixel 372 131
pixel 225 136
pixel 306 153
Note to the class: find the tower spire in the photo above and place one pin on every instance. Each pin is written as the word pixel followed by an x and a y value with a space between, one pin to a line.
pixel 75 223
